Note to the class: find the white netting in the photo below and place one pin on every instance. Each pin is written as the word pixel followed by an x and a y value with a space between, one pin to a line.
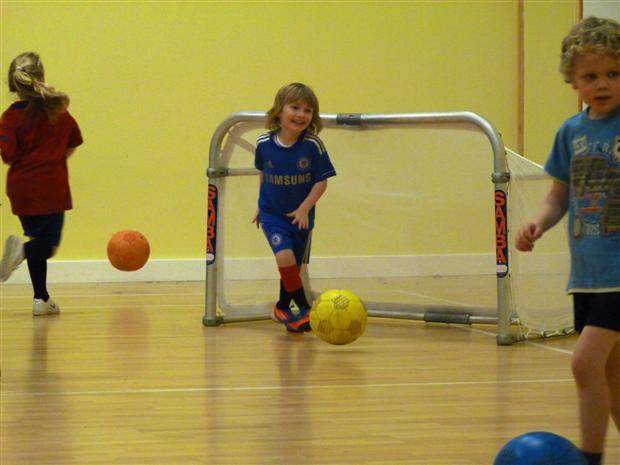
pixel 538 278
pixel 408 219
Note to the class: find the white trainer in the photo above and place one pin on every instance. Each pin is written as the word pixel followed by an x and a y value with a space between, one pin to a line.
pixel 12 257
pixel 41 307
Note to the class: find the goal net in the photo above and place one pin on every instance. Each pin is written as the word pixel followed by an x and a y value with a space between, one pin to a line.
pixel 538 278
pixel 409 224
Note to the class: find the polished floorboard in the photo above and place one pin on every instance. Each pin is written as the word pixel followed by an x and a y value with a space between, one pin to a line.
pixel 127 374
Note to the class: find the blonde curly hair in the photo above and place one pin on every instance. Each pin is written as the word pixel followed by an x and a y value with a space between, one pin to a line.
pixel 590 35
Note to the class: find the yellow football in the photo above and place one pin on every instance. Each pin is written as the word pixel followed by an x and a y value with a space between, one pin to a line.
pixel 338 316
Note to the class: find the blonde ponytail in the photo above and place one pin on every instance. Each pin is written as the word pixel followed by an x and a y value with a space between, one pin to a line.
pixel 27 79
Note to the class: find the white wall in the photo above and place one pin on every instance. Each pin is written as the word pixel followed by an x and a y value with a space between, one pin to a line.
pixel 602 8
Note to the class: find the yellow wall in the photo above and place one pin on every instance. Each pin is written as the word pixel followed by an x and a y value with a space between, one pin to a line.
pixel 150 81
pixel 548 101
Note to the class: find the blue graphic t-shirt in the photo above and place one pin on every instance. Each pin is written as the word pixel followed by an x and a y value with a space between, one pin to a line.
pixel 289 173
pixel 586 156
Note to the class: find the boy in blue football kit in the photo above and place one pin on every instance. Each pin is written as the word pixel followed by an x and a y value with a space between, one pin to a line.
pixel 294 168
pixel 585 166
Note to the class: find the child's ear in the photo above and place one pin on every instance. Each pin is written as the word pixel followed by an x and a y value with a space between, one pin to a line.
pixel 573 84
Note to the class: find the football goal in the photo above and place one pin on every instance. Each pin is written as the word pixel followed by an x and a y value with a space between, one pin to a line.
pixel 418 222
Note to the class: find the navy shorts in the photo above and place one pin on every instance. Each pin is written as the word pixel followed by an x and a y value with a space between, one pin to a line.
pixel 44 227
pixel 597 309
pixel 280 238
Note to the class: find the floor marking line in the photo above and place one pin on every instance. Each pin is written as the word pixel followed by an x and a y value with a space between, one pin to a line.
pixel 140 306
pixel 554 349
pixel 6 395
pixel 439 299
pixel 530 343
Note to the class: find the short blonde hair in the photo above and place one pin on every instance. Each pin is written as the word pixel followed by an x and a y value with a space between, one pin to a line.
pixel 295 92
pixel 27 78
pixel 590 35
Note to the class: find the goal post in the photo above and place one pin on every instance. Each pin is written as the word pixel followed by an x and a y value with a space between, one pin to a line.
pixel 225 165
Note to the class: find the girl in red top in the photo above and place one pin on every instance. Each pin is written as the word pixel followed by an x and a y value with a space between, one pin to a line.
pixel 37 135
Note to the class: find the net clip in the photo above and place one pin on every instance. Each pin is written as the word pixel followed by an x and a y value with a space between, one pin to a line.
pixel 350 119
pixel 500 177
pixel 217 172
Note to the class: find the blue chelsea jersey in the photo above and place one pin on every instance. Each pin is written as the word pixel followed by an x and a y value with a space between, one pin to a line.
pixel 289 173
pixel 586 156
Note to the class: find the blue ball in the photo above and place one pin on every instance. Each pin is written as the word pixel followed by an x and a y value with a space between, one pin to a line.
pixel 539 448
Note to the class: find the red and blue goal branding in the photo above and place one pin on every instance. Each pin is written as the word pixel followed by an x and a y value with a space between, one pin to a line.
pixel 501 233
pixel 211 224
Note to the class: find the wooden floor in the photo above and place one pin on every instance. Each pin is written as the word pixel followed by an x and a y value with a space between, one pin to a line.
pixel 127 374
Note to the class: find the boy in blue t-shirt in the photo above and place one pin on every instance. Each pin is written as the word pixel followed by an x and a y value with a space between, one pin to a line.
pixel 585 166
pixel 294 168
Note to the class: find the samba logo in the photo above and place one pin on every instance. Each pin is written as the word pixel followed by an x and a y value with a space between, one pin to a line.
pixel 501 234
pixel 211 224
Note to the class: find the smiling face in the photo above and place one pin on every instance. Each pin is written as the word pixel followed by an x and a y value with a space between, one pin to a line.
pixel 294 118
pixel 597 80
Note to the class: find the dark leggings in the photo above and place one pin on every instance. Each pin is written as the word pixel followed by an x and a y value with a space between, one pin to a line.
pixel 45 232
pixel 37 251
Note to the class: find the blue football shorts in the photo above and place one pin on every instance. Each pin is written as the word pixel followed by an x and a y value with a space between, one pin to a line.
pixel 281 238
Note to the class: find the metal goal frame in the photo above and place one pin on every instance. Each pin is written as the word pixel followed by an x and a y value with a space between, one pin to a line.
pixel 218 169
